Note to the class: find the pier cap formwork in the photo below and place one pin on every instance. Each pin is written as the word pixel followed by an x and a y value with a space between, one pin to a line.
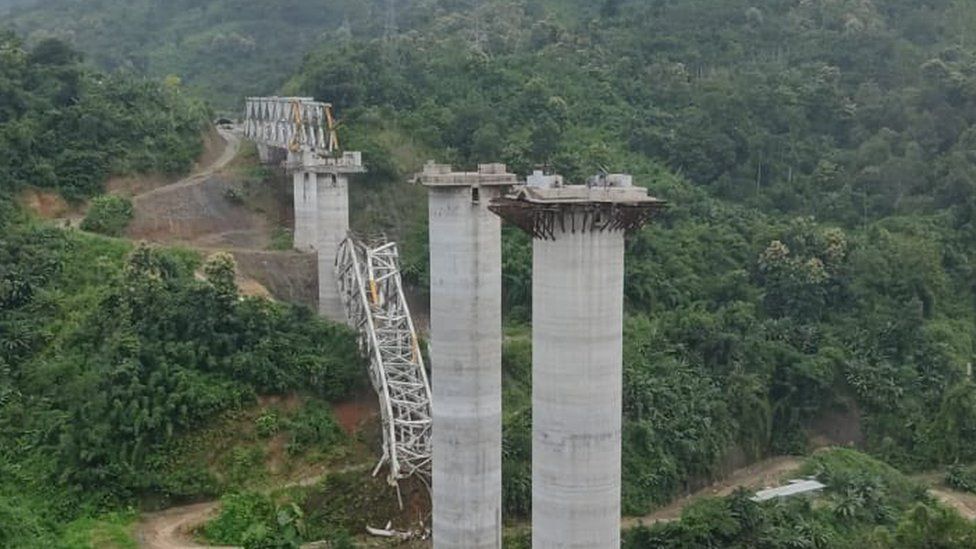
pixel 608 202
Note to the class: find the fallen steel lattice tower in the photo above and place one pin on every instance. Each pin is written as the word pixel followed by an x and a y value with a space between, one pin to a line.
pixel 371 290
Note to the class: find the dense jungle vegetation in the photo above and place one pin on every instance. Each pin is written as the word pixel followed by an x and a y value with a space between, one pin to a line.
pixel 110 354
pixel 818 253
pixel 867 504
pixel 815 265
pixel 223 49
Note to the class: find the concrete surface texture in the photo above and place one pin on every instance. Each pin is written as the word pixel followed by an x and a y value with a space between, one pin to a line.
pixel 332 194
pixel 577 338
pixel 466 340
pixel 264 153
pixel 321 195
pixel 306 210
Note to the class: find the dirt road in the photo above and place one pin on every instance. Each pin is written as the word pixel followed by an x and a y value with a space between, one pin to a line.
pixel 962 502
pixel 232 145
pixel 171 529
pixel 203 210
pixel 772 472
pixel 759 475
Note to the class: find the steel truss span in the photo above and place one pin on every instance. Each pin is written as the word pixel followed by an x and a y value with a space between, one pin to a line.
pixel 298 124
pixel 372 293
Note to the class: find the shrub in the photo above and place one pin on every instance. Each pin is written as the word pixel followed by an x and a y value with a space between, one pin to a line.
pixel 962 478
pixel 241 516
pixel 243 465
pixel 313 428
pixel 190 482
pixel 282 239
pixel 234 196
pixel 267 424
pixel 109 215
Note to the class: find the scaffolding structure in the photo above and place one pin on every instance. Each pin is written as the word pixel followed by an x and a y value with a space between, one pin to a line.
pixel 372 293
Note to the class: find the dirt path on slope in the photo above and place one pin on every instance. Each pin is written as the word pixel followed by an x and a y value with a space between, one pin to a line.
pixel 203 210
pixel 232 144
pixel 963 503
pixel 774 471
pixel 766 473
pixel 174 527
pixel 206 212
pixel 171 529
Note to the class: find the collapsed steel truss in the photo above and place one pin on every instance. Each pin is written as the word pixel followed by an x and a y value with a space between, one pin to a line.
pixel 298 124
pixel 371 290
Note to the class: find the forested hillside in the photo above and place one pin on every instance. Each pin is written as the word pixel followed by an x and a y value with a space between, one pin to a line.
pixel 112 354
pixel 813 275
pixel 819 159
pixel 223 50
pixel 6 5
pixel 66 127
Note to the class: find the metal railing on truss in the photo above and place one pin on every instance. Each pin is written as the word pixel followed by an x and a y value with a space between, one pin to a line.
pixel 372 292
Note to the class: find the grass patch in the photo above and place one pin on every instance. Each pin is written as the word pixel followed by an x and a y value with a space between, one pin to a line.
pixel 273 443
pixel 113 531
pixel 282 239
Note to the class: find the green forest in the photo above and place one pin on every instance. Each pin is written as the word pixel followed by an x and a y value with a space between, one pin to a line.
pixel 112 353
pixel 814 269
pixel 223 49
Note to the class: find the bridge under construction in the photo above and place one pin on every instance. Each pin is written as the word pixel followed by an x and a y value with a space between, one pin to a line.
pixel 451 437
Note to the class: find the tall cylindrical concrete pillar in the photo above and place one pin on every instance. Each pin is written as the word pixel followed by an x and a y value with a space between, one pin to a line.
pixel 466 362
pixel 305 184
pixel 577 350
pixel 577 341
pixel 332 227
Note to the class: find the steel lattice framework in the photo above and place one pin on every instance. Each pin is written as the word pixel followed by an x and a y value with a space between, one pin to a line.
pixel 372 292
pixel 298 124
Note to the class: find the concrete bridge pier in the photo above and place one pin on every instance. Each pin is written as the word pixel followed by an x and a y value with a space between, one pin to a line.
pixel 466 347
pixel 264 154
pixel 306 200
pixel 577 345
pixel 321 186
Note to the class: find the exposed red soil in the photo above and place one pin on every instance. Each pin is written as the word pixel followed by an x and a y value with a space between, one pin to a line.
pixel 133 185
pixel 172 528
pixel 204 211
pixel 353 414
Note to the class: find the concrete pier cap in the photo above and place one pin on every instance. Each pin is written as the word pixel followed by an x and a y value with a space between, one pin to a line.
pixel 606 202
pixel 488 175
pixel 348 162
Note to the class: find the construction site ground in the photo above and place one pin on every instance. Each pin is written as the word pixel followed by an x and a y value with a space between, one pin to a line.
pixel 214 210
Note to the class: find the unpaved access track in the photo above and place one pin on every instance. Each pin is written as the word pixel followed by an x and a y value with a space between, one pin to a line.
pixel 174 527
pixel 196 212
pixel 171 529
pixel 759 475
pixel 205 212
pixel 201 210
